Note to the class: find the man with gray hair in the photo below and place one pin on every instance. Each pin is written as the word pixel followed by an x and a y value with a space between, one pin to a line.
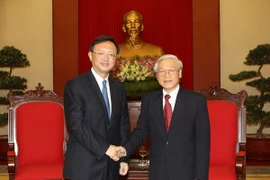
pixel 177 122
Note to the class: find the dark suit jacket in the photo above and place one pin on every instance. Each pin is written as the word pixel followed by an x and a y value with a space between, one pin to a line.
pixel 90 131
pixel 183 153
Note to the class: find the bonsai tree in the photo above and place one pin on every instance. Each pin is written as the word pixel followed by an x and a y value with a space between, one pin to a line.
pixel 11 58
pixel 256 114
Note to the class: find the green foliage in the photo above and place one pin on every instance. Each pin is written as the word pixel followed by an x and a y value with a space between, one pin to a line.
pixel 137 74
pixel 3 74
pixel 17 92
pixel 262 84
pixel 259 56
pixel 3 119
pixel 3 100
pixel 141 88
pixel 243 75
pixel 11 58
pixel 14 82
pixel 256 115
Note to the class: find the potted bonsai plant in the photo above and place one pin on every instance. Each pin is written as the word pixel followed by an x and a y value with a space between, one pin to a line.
pixel 10 58
pixel 257 114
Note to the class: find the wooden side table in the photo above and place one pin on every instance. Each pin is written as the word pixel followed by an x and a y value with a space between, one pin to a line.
pixel 136 172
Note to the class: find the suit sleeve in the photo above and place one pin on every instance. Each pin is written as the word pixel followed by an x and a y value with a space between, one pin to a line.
pixel 125 125
pixel 140 133
pixel 202 141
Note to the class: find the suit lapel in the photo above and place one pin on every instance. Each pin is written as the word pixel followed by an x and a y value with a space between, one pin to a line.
pixel 113 98
pixel 158 110
pixel 93 86
pixel 179 106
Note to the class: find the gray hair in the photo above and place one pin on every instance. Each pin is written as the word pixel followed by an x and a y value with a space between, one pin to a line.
pixel 168 56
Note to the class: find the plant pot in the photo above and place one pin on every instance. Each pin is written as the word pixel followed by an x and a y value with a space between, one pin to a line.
pixel 258 148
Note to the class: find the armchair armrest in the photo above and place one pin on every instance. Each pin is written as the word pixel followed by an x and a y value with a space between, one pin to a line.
pixel 11 160
pixel 240 164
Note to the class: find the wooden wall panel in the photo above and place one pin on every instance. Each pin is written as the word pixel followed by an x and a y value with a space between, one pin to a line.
pixel 65 43
pixel 206 44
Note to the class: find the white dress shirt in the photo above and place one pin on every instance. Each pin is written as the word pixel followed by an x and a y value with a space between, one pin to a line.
pixel 99 81
pixel 173 95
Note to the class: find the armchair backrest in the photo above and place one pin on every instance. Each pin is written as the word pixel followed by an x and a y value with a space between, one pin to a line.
pixel 227 113
pixel 36 127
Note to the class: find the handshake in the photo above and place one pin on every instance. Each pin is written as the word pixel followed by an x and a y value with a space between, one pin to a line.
pixel 116 152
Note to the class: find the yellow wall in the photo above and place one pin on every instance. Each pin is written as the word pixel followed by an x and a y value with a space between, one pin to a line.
pixel 27 25
pixel 243 25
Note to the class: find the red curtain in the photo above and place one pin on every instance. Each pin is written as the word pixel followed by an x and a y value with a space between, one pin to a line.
pixel 166 23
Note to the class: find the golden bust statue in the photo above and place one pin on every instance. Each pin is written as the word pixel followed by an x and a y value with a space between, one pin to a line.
pixel 134 45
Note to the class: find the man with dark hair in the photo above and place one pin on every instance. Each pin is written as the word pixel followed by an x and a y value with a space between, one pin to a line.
pixel 97 118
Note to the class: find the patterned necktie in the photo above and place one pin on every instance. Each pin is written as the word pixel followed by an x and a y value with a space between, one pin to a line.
pixel 105 96
pixel 167 112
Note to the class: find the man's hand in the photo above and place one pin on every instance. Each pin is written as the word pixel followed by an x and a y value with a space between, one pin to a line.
pixel 115 152
pixel 123 168
pixel 121 151
pixel 112 153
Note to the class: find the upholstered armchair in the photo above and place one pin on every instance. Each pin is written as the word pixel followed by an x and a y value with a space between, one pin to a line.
pixel 36 135
pixel 228 133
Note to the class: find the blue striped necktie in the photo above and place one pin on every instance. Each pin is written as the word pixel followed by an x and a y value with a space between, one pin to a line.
pixel 105 96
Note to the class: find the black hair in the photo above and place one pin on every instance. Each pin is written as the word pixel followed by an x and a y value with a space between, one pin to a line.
pixel 101 39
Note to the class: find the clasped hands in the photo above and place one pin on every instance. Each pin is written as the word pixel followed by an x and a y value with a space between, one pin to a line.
pixel 116 152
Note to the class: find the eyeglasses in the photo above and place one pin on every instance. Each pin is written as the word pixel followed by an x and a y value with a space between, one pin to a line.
pixel 171 72
pixel 103 54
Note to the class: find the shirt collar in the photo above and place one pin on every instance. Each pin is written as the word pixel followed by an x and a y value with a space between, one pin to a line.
pixel 99 79
pixel 173 93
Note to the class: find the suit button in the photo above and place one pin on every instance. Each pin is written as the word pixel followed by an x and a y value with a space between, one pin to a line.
pixel 167 143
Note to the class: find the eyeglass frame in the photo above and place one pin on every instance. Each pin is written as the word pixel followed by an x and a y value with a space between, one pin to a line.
pixel 171 72
pixel 102 55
